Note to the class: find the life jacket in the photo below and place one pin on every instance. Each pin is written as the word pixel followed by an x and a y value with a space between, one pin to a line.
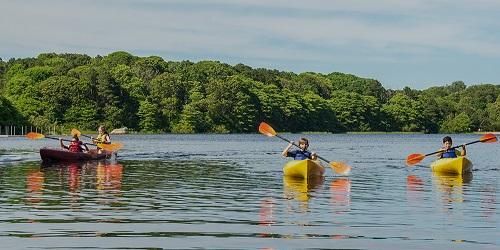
pixel 75 146
pixel 450 153
pixel 299 154
pixel 101 138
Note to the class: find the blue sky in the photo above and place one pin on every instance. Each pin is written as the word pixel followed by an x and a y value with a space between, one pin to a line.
pixel 417 43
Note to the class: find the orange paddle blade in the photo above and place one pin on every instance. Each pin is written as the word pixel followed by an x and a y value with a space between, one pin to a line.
pixel 414 159
pixel 76 132
pixel 265 129
pixel 340 168
pixel 111 147
pixel 488 138
pixel 34 136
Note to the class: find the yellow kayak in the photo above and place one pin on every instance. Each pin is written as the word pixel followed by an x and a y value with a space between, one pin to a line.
pixel 303 169
pixel 459 165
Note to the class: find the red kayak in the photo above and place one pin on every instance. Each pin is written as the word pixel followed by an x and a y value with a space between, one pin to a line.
pixel 63 155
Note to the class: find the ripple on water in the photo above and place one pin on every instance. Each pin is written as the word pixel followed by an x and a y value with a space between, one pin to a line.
pixel 202 191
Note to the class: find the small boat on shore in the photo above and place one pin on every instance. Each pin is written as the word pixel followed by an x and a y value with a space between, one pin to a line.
pixel 62 155
pixel 303 169
pixel 459 165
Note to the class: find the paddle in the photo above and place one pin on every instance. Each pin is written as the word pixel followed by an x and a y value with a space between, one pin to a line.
pixel 338 167
pixel 77 132
pixel 416 158
pixel 108 147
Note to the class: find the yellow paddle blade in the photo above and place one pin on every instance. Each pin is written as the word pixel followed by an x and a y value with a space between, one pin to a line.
pixel 488 138
pixel 34 136
pixel 266 129
pixel 340 168
pixel 75 132
pixel 414 159
pixel 111 147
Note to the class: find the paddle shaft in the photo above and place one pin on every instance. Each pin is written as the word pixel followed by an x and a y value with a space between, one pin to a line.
pixel 296 145
pixel 86 136
pixel 461 146
pixel 54 138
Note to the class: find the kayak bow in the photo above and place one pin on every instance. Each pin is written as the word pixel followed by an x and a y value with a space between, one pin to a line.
pixel 303 169
pixel 459 165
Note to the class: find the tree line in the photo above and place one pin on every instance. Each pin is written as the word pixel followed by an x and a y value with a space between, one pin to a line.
pixel 149 94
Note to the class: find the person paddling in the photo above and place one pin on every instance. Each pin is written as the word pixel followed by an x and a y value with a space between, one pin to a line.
pixel 448 152
pixel 102 137
pixel 299 154
pixel 75 145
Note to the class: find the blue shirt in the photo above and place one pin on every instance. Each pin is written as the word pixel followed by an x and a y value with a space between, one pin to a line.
pixel 298 154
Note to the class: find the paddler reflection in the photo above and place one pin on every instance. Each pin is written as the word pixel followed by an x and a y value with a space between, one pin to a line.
pixel 109 176
pixel 74 175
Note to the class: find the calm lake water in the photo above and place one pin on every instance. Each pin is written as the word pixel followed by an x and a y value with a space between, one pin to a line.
pixel 228 192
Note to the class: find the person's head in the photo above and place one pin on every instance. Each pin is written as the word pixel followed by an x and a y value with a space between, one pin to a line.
pixel 447 142
pixel 75 138
pixel 303 143
pixel 102 130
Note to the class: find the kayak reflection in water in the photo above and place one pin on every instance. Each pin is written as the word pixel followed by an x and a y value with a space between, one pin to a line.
pixel 75 145
pixel 448 152
pixel 299 154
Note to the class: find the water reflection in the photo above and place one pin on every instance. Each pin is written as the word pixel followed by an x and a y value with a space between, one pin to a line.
pixel 266 211
pixel 340 189
pixel 451 186
pixel 99 175
pixel 109 177
pixel 298 188
pixel 488 201
pixel 34 185
pixel 414 188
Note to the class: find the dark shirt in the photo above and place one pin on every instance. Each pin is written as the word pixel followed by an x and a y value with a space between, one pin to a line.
pixel 298 154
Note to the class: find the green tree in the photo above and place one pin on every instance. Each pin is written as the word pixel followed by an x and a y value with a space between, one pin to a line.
pixel 493 111
pixel 148 68
pixel 194 117
pixel 149 116
pixel 405 113
pixel 231 104
pixel 353 112
pixel 458 124
pixel 9 115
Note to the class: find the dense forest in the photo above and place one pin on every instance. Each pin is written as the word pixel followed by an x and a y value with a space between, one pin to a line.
pixel 150 94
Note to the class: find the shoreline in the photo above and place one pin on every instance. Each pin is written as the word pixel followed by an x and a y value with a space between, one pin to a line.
pixel 285 132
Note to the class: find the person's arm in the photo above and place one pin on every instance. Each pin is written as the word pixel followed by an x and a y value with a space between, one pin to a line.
pixel 464 152
pixel 440 155
pixel 85 148
pixel 62 144
pixel 107 139
pixel 285 151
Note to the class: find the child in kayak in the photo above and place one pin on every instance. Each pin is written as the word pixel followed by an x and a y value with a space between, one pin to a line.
pixel 103 137
pixel 447 152
pixel 299 154
pixel 75 145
